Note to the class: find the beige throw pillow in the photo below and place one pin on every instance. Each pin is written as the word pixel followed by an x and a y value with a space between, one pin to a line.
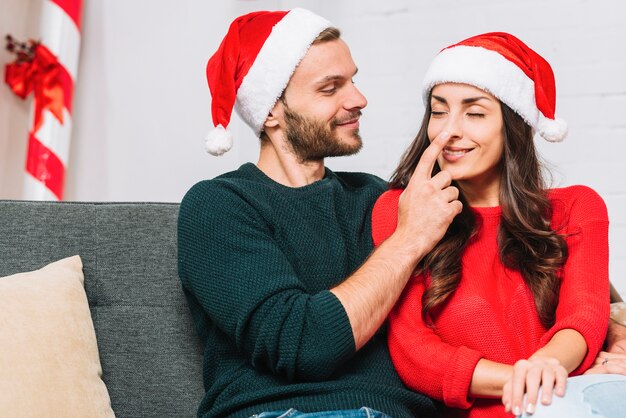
pixel 49 363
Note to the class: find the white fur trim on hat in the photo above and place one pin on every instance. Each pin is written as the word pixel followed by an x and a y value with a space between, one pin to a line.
pixel 279 56
pixel 218 141
pixel 490 71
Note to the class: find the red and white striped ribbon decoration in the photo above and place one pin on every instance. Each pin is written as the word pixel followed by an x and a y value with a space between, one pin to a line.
pixel 49 146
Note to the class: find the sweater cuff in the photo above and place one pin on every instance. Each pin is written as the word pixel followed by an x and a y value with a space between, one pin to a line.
pixel 336 325
pixel 458 377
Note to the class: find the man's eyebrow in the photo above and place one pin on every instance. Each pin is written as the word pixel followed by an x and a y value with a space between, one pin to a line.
pixel 329 78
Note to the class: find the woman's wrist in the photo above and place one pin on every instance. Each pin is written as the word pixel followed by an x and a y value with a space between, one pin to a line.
pixel 545 358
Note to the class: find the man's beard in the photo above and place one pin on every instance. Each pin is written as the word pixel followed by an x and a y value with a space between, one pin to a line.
pixel 313 140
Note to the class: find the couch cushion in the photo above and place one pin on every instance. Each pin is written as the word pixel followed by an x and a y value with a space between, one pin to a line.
pixel 150 354
pixel 48 352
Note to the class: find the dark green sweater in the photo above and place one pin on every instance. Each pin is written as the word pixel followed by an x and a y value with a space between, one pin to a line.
pixel 256 260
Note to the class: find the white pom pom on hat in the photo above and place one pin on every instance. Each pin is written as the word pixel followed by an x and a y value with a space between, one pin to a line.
pixel 253 65
pixel 552 130
pixel 504 66
pixel 218 141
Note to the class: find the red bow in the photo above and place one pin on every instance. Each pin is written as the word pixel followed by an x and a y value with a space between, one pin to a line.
pixel 39 74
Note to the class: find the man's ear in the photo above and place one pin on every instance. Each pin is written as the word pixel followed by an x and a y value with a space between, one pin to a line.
pixel 272 120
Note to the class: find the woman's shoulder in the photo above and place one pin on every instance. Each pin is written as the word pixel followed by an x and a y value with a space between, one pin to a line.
pixel 385 215
pixel 579 202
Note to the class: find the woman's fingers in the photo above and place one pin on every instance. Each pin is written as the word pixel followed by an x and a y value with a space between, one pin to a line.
pixel 507 395
pixel 518 380
pixel 521 392
pixel 547 386
pixel 561 381
pixel 534 377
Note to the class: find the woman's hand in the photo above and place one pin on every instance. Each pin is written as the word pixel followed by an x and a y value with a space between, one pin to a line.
pixel 528 376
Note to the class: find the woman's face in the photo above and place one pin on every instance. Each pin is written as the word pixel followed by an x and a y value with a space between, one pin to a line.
pixel 473 118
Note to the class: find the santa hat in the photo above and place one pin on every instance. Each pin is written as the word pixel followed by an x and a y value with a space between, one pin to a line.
pixel 253 65
pixel 505 67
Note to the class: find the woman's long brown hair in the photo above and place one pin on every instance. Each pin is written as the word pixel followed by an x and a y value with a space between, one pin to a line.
pixel 526 240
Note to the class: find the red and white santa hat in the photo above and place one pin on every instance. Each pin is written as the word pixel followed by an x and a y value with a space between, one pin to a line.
pixel 505 67
pixel 253 65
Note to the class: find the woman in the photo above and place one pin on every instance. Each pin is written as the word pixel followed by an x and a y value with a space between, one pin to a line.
pixel 514 297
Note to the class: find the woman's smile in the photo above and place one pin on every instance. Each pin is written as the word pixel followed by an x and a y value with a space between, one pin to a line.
pixel 453 154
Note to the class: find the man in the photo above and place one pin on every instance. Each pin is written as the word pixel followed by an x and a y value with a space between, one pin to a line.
pixel 271 256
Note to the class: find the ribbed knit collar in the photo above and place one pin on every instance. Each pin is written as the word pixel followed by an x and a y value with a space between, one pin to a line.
pixel 254 171
pixel 487 212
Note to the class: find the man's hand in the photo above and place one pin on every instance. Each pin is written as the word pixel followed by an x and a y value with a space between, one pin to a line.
pixel 426 208
pixel 616 333
pixel 429 203
pixel 613 360
pixel 610 362
pixel 618 347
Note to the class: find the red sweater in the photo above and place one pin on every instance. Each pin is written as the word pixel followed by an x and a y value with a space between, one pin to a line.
pixel 492 313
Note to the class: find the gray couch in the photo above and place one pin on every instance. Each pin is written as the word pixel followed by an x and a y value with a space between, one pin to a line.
pixel 151 357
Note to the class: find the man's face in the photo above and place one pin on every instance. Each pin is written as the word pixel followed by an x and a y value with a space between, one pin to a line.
pixel 321 108
pixel 313 139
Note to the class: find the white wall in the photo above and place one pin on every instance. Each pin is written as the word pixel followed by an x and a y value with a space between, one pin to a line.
pixel 20 18
pixel 142 105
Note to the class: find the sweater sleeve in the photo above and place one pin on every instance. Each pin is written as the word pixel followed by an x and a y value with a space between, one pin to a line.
pixel 385 216
pixel 230 263
pixel 423 361
pixel 584 295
